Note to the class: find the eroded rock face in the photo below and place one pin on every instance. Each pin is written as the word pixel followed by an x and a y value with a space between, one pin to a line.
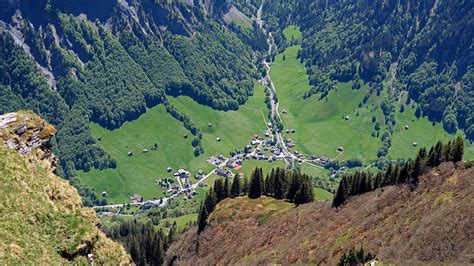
pixel 27 133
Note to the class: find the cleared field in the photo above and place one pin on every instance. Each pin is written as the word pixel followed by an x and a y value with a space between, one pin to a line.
pixel 292 32
pixel 234 128
pixel 322 195
pixel 137 173
pixel 421 131
pixel 249 166
pixel 320 124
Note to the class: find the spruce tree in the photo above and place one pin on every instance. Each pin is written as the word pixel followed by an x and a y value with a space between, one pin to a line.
pixel 226 189
pixel 219 189
pixel 405 172
pixel 293 187
pixel 245 186
pixel 235 187
pixel 305 193
pixel 211 201
pixel 458 149
pixel 279 184
pixel 202 219
pixel 341 193
pixel 255 186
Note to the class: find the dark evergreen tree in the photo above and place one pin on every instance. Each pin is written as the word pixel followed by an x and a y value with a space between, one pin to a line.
pixel 219 190
pixel 225 189
pixel 202 218
pixel 235 189
pixel 245 186
pixel 458 149
pixel 341 192
pixel 305 193
pixel 255 186
pixel 293 187
pixel 279 184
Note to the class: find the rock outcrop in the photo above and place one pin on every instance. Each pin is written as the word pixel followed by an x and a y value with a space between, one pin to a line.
pixel 42 219
pixel 27 133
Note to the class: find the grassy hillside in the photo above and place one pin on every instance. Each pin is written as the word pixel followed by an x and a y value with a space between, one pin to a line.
pixel 320 125
pixel 430 225
pixel 137 173
pixel 43 220
pixel 292 32
pixel 421 131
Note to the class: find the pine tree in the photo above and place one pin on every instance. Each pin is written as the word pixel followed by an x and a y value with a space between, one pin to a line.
pixel 202 219
pixel 405 172
pixel 211 201
pixel 279 184
pixel 219 189
pixel 255 187
pixel 305 193
pixel 458 149
pixel 447 154
pixel 235 187
pixel 226 189
pixel 341 193
pixel 293 187
pixel 245 186
pixel 379 180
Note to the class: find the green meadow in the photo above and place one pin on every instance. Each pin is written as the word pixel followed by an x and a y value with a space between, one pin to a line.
pixel 234 128
pixel 320 124
pixel 137 173
pixel 420 131
pixel 292 32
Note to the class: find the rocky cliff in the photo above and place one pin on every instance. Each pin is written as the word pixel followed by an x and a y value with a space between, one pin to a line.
pixel 42 220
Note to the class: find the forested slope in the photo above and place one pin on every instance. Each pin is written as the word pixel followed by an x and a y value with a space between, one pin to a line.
pixel 76 63
pixel 423 49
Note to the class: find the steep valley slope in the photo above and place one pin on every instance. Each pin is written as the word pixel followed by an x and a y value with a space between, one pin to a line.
pixel 431 224
pixel 42 219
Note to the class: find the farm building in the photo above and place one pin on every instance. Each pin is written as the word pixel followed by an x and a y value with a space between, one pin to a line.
pixel 223 172
pixel 136 198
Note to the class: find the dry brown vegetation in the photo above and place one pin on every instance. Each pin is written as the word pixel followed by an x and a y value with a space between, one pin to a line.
pixel 432 224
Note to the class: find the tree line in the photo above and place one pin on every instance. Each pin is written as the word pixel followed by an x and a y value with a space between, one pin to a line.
pixel 408 173
pixel 279 184
pixel 145 244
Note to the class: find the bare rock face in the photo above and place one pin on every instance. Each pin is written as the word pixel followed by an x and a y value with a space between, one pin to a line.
pixel 27 133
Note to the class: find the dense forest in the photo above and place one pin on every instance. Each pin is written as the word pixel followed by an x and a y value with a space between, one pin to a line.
pixel 145 244
pixel 423 48
pixel 75 65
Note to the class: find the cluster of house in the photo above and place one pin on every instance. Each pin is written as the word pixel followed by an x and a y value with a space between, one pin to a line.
pixel 182 173
pixel 216 161
pixel 164 182
pixel 224 172
pixel 235 162
pixel 200 174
